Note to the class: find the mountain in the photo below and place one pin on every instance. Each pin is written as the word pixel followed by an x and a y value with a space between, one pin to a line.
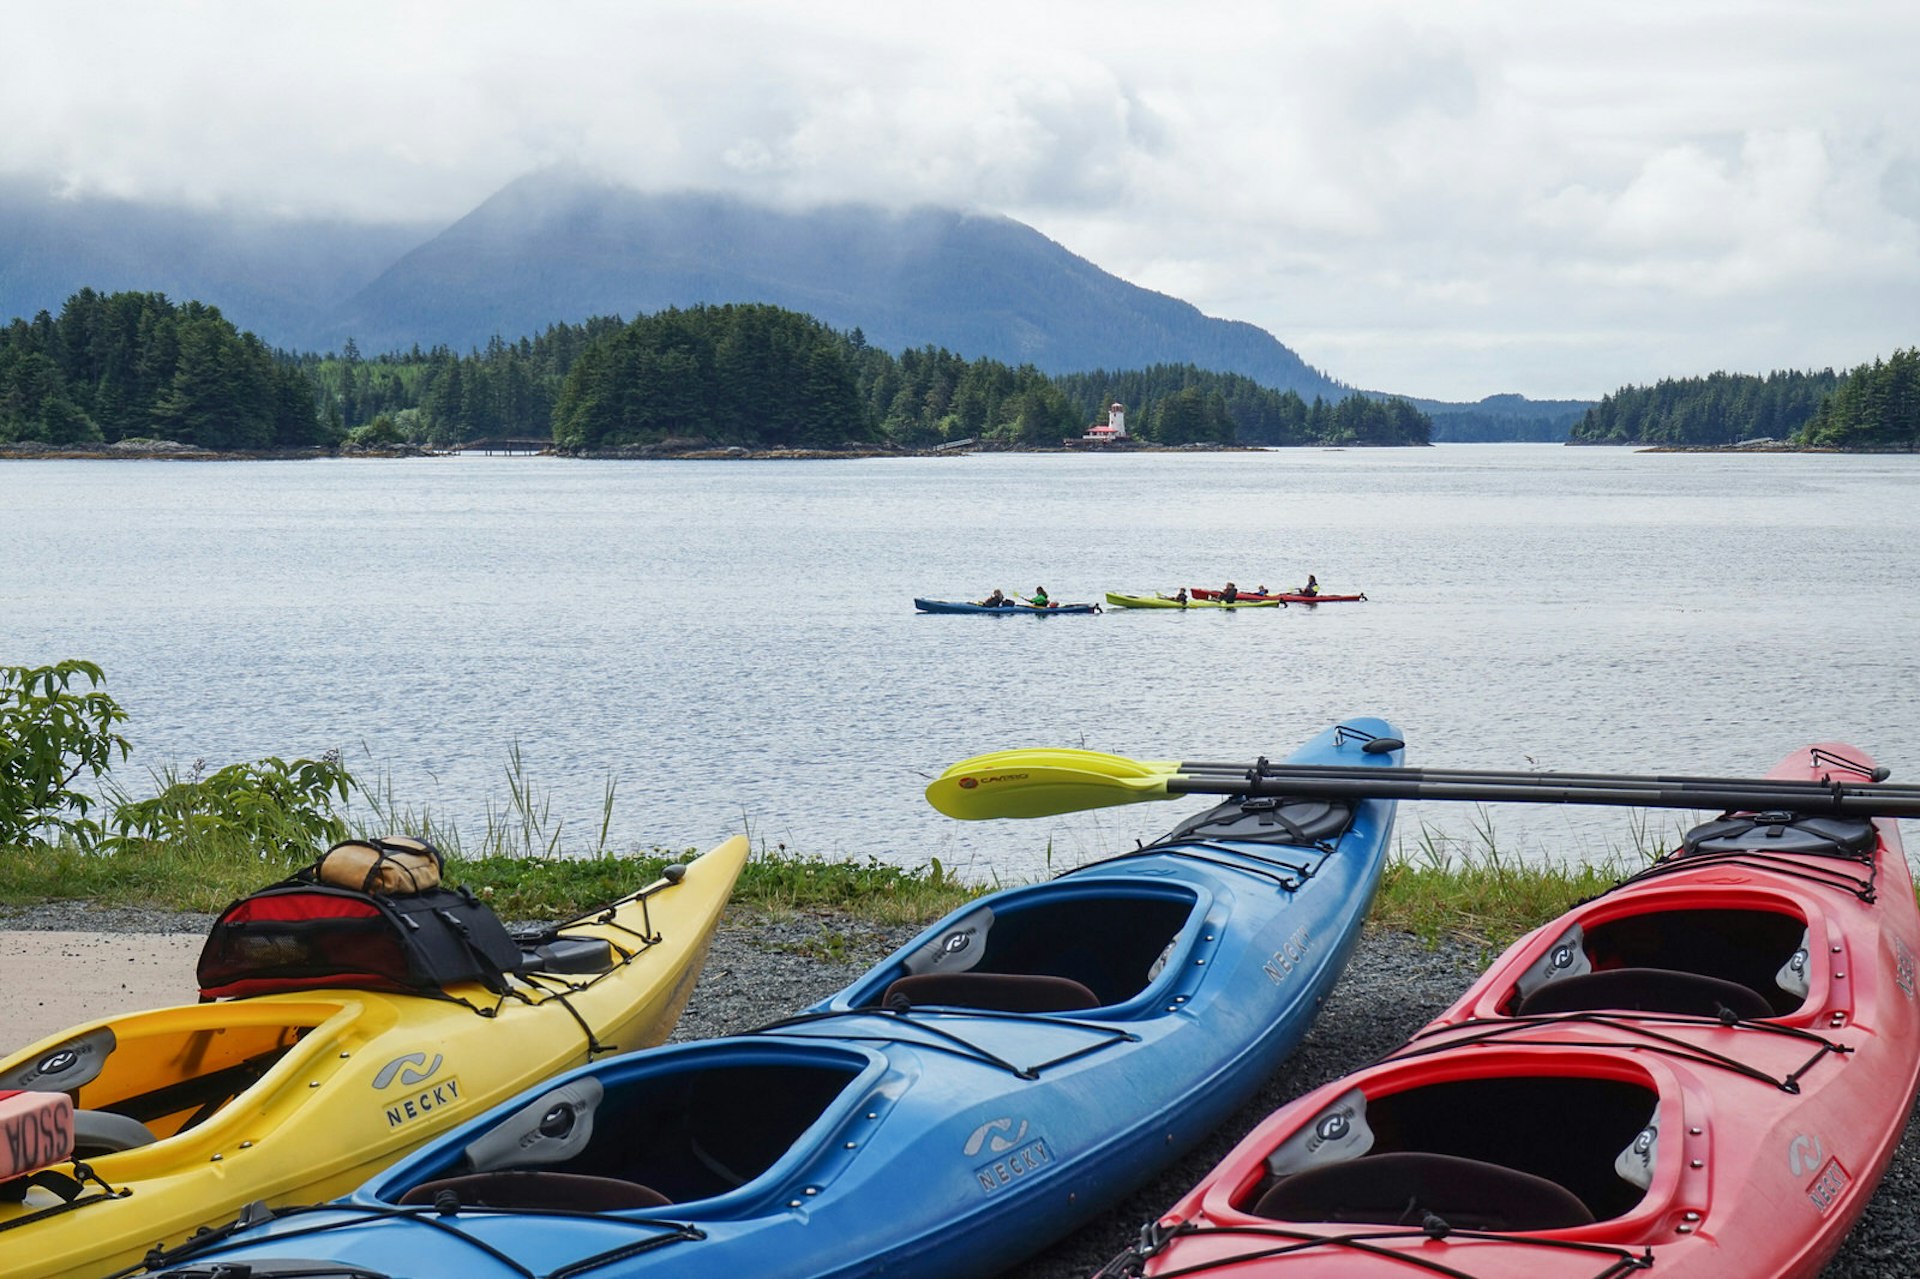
pixel 558 246
pixel 279 278
pixel 553 247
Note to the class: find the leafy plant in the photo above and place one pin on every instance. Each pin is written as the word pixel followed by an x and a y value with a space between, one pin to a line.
pixel 270 806
pixel 50 734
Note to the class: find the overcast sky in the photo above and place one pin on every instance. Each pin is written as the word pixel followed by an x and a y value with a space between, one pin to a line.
pixel 1438 197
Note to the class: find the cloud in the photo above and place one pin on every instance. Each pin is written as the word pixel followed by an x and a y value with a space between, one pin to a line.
pixel 1453 197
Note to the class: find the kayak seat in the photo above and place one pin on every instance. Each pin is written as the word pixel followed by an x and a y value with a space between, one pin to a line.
pixel 101 1132
pixel 1001 992
pixel 530 1189
pixel 1647 990
pixel 1402 1187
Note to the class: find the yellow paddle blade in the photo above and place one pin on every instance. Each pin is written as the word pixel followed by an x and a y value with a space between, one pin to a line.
pixel 1067 757
pixel 1033 788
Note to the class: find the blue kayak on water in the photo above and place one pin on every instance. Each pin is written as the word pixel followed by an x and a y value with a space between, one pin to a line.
pixel 1009 1073
pixel 1002 610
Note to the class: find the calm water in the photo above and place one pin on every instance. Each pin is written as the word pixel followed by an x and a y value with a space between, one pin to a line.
pixel 735 643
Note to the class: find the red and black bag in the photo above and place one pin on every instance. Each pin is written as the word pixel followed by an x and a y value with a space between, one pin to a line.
pixel 299 935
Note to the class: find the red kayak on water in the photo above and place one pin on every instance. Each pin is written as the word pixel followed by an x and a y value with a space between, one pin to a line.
pixel 1288 597
pixel 1701 1073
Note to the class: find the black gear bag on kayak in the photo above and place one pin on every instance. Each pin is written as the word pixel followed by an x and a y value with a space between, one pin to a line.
pixel 299 935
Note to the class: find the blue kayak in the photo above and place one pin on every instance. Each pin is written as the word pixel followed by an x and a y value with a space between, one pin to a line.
pixel 960 606
pixel 1011 1072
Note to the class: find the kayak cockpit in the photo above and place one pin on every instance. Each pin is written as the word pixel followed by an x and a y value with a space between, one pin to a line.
pixel 1709 962
pixel 1477 1153
pixel 1065 946
pixel 673 1128
pixel 145 1078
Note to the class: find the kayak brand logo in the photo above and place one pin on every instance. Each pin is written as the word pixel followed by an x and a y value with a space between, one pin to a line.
pixel 992 1136
pixel 1019 1153
pixel 422 1104
pixel 1826 1189
pixel 1903 968
pixel 1804 1155
pixel 1288 957
pixel 953 945
pixel 968 783
pixel 403 1067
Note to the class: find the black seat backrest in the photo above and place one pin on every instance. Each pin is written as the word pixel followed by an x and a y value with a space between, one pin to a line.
pixel 1001 992
pixel 1647 990
pixel 1402 1187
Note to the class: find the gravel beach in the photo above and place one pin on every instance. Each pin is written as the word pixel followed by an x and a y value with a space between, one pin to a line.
pixel 762 969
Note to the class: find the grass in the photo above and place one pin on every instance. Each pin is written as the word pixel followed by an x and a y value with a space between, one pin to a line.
pixel 1438 890
pixel 206 875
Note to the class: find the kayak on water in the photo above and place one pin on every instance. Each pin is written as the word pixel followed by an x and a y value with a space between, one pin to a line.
pixel 182 1116
pixel 1006 1075
pixel 1164 601
pixel 1703 1072
pixel 1288 597
pixel 961 606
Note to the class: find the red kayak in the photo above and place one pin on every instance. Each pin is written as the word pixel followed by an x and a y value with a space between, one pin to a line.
pixel 1702 1073
pixel 1289 597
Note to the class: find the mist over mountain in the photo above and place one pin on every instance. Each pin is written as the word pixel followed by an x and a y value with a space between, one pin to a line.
pixel 280 278
pixel 558 246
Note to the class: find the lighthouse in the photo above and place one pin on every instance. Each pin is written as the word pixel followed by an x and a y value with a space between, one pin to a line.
pixel 1114 428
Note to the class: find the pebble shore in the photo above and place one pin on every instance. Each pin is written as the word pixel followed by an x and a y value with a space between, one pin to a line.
pixel 763 969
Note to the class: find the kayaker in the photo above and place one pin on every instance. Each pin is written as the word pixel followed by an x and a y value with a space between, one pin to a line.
pixel 996 600
pixel 1039 599
pixel 1312 587
pixel 1229 595
pixel 1180 597
pixel 1260 589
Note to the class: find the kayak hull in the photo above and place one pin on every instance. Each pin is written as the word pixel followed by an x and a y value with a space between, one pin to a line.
pixel 347 1080
pixel 1160 601
pixel 1728 1046
pixel 944 1138
pixel 1004 610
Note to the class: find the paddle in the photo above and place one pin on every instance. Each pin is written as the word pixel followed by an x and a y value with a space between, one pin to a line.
pixel 1048 782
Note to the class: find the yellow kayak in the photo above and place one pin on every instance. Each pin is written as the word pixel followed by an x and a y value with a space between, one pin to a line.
pixel 295 1098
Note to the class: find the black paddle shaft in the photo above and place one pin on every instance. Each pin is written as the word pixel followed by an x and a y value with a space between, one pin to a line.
pixel 1759 795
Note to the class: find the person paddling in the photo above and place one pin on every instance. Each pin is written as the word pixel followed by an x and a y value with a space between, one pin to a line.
pixel 1230 594
pixel 996 600
pixel 1039 599
pixel 1312 587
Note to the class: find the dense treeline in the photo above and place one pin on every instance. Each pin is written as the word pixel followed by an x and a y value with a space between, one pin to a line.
pixel 440 399
pixel 134 366
pixel 1181 404
pixel 1877 407
pixel 1722 408
pixel 755 376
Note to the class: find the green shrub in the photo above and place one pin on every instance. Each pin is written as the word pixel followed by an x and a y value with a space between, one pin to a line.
pixel 270 807
pixel 50 735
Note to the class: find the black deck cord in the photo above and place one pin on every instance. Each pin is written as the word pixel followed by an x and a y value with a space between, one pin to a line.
pixel 1507 1031
pixel 958 1045
pixel 430 1215
pixel 1154 1239
pixel 1800 866
pixel 71 1191
pixel 1299 874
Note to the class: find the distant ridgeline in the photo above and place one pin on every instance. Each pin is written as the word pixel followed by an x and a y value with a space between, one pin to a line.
pixel 1876 406
pixel 134 365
